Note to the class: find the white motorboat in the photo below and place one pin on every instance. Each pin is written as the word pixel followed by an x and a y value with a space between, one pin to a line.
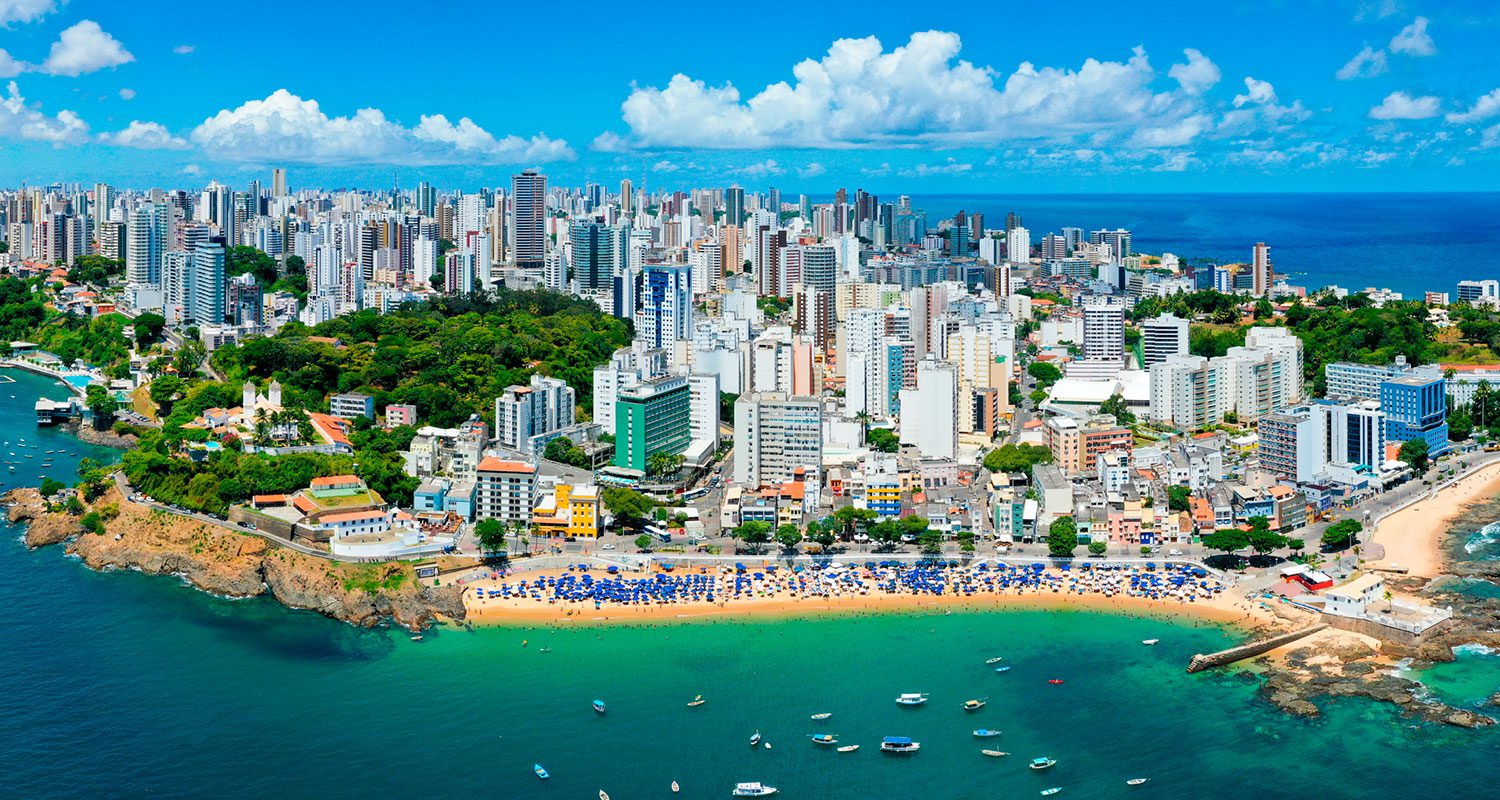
pixel 911 699
pixel 995 660
pixel 994 753
pixel 1136 781
pixel 824 715
pixel 899 744
pixel 1043 763
pixel 755 738
pixel 848 748
pixel 754 789
pixel 1149 642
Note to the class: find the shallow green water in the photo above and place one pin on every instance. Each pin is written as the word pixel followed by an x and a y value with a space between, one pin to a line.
pixel 125 685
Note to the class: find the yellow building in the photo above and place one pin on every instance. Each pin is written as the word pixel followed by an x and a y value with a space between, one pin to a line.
pixel 571 511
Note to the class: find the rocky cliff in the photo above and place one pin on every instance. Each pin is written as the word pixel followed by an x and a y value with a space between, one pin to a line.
pixel 225 562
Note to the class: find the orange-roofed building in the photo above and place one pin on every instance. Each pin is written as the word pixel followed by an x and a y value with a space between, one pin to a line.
pixel 504 490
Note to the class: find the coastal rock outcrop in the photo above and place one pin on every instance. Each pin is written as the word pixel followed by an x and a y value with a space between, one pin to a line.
pixel 226 562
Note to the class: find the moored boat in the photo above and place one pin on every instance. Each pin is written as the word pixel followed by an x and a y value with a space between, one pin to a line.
pixel 599 706
pixel 824 715
pixel 1055 681
pixel 753 789
pixel 848 748
pixel 975 705
pixel 995 660
pixel 1043 763
pixel 1002 669
pixel 824 738
pixel 1149 642
pixel 602 795
pixel 1136 781
pixel 755 738
pixel 696 701
pixel 899 744
pixel 675 787
pixel 911 699
pixel 540 771
pixel 994 753
pixel 1052 791
pixel 985 733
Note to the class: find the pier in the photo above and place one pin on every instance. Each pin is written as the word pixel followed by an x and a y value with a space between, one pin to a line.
pixel 1202 662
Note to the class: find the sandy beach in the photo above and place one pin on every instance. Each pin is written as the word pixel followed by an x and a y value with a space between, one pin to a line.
pixel 1226 608
pixel 1413 537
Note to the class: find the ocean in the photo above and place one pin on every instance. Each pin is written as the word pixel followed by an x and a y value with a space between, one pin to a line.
pixel 124 685
pixel 1410 243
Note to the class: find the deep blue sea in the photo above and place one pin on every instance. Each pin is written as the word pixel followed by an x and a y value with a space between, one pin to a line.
pixel 1410 243
pixel 122 685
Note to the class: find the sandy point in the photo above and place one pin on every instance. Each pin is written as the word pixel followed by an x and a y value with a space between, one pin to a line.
pixel 1413 536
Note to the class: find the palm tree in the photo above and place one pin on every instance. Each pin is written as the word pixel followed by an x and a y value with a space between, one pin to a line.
pixel 864 424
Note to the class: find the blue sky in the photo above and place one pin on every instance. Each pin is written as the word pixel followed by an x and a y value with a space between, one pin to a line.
pixel 1067 97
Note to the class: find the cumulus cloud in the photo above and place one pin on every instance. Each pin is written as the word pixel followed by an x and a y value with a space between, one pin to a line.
pixel 1176 162
pixel 1491 137
pixel 1485 107
pixel 1367 63
pixel 1198 75
pixel 1377 9
pixel 1400 105
pixel 9 67
pixel 19 120
pixel 286 127
pixel 859 94
pixel 84 48
pixel 191 169
pixel 183 49
pixel 1256 91
pixel 127 94
pixel 145 135
pixel 24 10
pixel 951 167
pixel 1413 40
pixel 812 170
pixel 761 169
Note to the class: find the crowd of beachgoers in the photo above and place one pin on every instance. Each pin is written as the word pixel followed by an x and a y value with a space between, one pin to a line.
pixel 659 585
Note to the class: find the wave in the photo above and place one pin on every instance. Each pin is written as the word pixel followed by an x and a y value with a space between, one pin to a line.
pixel 1486 539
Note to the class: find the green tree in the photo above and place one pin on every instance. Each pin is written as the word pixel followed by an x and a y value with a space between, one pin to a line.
pixel 1098 548
pixel 51 486
pixel 643 542
pixel 102 404
pixel 1178 498
pixel 788 536
pixel 663 465
pixel 1264 540
pixel 1017 457
pixel 823 534
pixel 491 535
pixel 148 327
pixel 1414 453
pixel 1045 372
pixel 930 541
pixel 1340 535
pixel 1062 537
pixel 1116 407
pixel 886 533
pixel 883 440
pixel 1227 540
pixel 164 391
pixel 1295 545
pixel 753 533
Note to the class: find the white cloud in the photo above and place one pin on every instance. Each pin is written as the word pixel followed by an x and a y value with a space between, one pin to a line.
pixel 762 169
pixel 1400 105
pixel 84 48
pixel 191 169
pixel 24 10
pixel 184 49
pixel 609 142
pixel 1413 40
pixel 664 166
pixel 1256 91
pixel 127 94
pixel 1377 9
pixel 952 167
pixel 18 120
pixel 858 94
pixel 812 170
pixel 1198 75
pixel 9 67
pixel 1374 158
pixel 145 135
pixel 285 127
pixel 1485 107
pixel 1367 63
pixel 1176 162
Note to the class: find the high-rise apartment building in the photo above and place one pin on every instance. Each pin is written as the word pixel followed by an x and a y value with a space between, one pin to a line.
pixel 529 193
pixel 775 434
pixel 1162 336
pixel 1260 269
pixel 523 412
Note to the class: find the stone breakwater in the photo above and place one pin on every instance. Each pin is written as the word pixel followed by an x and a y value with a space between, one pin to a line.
pixel 227 563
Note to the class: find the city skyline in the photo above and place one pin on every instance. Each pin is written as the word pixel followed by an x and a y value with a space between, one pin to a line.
pixel 1347 96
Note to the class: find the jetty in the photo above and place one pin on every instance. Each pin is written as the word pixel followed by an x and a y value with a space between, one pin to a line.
pixel 1203 661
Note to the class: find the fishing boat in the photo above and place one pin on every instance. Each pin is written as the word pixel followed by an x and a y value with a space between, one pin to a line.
pixel 911 699
pixel 1002 669
pixel 848 748
pixel 995 753
pixel 1149 642
pixel 756 789
pixel 696 701
pixel 824 715
pixel 985 733
pixel 975 705
pixel 602 795
pixel 1055 681
pixel 1136 781
pixel 1043 763
pixel 755 738
pixel 1052 791
pixel 540 772
pixel 823 738
pixel 675 787
pixel 599 706
pixel 899 744
pixel 995 660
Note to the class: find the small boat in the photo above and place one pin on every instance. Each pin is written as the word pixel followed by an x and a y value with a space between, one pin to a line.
pixel 899 744
pixel 823 738
pixel 824 715
pixel 417 637
pixel 848 748
pixel 1149 642
pixel 675 787
pixel 911 699
pixel 540 772
pixel 756 789
pixel 1002 669
pixel 755 738
pixel 602 795
pixel 768 745
pixel 975 705
pixel 995 660
pixel 545 650
pixel 1136 781
pixel 696 701
pixel 985 733
pixel 1043 763
pixel 1055 681
pixel 1053 790
pixel 995 753
pixel 599 706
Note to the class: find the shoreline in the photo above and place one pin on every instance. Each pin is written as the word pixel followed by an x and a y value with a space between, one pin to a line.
pixel 1413 537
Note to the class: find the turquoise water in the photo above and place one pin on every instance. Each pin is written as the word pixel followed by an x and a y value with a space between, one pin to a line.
pixel 125 685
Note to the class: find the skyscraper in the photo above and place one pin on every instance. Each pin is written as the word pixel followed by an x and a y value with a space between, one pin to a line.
pixel 1163 336
pixel 205 290
pixel 1260 268
pixel 278 182
pixel 1103 331
pixel 598 253
pixel 664 311
pixel 734 206
pixel 529 189
pixel 145 242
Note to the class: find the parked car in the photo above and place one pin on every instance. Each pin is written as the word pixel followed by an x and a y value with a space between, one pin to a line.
pixel 609 546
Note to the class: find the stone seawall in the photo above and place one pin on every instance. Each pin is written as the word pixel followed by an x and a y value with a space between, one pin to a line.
pixel 1202 661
